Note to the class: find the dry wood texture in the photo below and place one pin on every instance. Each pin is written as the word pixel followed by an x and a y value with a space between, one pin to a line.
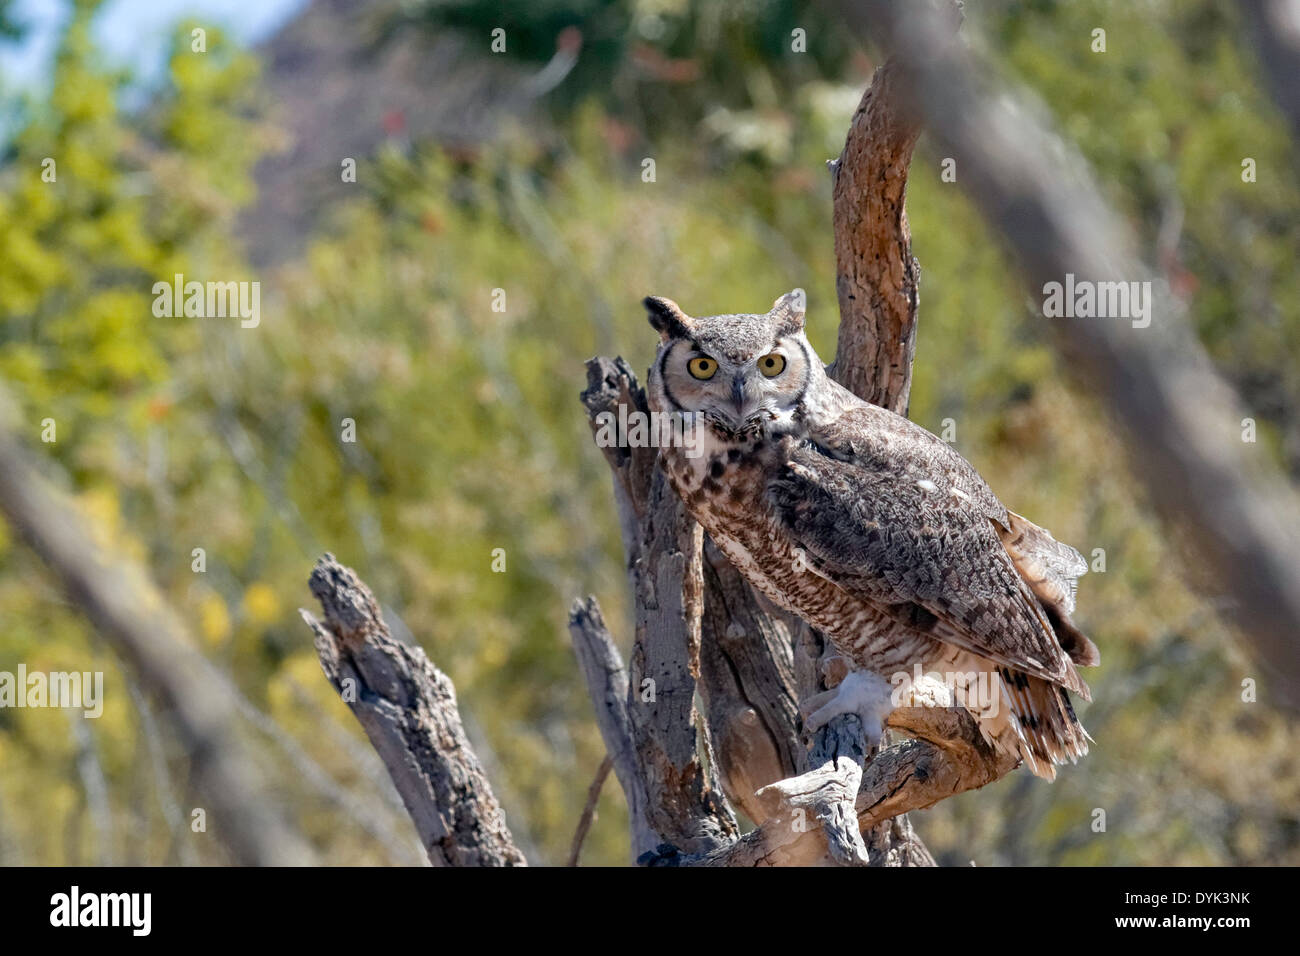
pixel 408 709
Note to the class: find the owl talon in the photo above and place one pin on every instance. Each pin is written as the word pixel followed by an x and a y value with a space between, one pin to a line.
pixel 665 854
pixel 862 693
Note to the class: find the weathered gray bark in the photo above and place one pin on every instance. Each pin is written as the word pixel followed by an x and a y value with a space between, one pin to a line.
pixel 408 710
pixel 685 808
pixel 606 678
pixel 686 805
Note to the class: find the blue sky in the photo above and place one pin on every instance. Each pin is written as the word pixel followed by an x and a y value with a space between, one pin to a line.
pixel 131 32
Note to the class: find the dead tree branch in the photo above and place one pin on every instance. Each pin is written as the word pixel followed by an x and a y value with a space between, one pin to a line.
pixel 589 809
pixel 685 808
pixel 606 678
pixel 408 710
pixel 876 275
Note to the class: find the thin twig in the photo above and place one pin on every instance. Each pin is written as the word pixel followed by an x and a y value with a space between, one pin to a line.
pixel 589 811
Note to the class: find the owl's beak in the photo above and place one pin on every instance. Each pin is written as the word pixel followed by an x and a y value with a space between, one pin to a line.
pixel 745 404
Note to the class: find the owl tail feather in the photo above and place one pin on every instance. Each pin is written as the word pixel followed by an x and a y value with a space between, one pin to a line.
pixel 1047 731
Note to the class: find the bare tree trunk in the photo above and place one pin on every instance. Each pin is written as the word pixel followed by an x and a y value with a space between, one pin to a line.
pixel 876 275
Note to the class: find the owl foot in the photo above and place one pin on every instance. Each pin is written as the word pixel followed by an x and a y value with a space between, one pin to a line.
pixel 862 693
pixel 665 854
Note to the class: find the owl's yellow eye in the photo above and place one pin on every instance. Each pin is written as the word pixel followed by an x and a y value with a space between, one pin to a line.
pixel 772 364
pixel 702 367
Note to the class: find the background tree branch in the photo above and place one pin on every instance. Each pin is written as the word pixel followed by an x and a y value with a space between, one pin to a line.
pixel 1275 31
pixel 1181 422
pixel 128 613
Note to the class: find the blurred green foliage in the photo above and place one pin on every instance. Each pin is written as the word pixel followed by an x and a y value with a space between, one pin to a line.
pixel 661 66
pixel 175 434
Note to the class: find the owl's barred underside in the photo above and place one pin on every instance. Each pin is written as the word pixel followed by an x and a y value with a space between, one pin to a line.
pixel 870 528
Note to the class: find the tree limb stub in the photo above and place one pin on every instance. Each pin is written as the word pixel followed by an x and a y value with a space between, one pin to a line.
pixel 408 710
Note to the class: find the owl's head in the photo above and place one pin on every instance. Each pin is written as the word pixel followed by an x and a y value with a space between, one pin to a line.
pixel 742 373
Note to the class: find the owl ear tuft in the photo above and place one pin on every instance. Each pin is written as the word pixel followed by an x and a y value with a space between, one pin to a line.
pixel 789 310
pixel 667 317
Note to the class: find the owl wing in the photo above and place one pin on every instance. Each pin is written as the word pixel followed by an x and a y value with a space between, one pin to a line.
pixel 894 515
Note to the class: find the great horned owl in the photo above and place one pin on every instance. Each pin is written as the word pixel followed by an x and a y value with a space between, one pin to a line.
pixel 873 530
